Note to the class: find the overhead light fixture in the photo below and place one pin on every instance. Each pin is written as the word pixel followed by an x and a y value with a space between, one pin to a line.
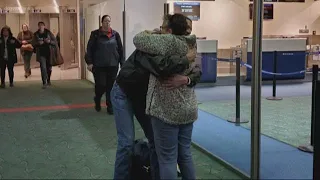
pixel 56 6
pixel 19 6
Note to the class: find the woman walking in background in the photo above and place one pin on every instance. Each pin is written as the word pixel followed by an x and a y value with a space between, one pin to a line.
pixel 104 54
pixel 25 38
pixel 8 54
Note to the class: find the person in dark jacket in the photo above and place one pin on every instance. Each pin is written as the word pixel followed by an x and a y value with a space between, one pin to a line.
pixel 8 54
pixel 104 54
pixel 43 41
pixel 129 99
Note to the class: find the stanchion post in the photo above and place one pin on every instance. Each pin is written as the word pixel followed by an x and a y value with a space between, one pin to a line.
pixel 315 70
pixel 316 155
pixel 274 81
pixel 238 120
pixel 238 91
pixel 309 147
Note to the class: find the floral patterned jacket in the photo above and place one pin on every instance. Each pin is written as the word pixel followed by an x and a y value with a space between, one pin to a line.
pixel 177 106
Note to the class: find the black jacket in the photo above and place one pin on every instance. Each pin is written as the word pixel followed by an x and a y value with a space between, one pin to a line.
pixel 103 51
pixel 133 77
pixel 11 47
pixel 37 46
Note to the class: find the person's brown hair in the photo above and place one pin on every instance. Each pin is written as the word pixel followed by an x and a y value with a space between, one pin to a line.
pixel 25 25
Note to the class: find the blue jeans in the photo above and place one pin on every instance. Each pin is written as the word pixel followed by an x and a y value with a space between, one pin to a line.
pixel 46 69
pixel 173 145
pixel 123 113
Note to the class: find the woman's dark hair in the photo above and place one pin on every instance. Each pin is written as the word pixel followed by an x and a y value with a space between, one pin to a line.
pixel 8 29
pixel 41 23
pixel 178 24
pixel 105 16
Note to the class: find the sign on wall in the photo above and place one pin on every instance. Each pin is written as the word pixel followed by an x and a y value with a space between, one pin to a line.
pixel 267 11
pixel 267 0
pixel 298 1
pixel 189 9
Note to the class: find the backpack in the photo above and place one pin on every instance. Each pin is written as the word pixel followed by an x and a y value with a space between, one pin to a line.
pixel 140 167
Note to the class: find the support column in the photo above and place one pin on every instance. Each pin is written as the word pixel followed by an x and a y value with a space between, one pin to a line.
pixel 256 89
pixel 66 34
pixel 62 36
pixel 26 17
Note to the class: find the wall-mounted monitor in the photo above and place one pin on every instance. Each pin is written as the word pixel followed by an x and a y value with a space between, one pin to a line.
pixel 267 0
pixel 189 9
pixel 298 1
pixel 267 13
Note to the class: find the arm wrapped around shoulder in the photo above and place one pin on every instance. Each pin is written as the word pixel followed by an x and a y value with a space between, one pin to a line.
pixel 159 44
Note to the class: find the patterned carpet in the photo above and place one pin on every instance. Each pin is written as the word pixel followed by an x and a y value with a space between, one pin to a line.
pixel 69 143
pixel 288 120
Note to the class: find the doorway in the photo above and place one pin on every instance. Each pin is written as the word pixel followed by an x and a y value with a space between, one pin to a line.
pixel 61 24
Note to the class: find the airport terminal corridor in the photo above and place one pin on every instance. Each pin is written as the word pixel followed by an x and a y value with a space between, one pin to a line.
pixel 57 134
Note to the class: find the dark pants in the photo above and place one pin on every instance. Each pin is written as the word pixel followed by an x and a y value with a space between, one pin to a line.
pixel 104 79
pixel 4 65
pixel 27 55
pixel 46 69
pixel 124 109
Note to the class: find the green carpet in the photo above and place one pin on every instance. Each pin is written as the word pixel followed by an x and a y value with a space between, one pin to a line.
pixel 287 120
pixel 67 144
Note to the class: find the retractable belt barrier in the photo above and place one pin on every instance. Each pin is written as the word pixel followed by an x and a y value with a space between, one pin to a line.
pixel 267 72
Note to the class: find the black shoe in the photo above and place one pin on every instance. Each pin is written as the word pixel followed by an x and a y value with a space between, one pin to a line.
pixel 49 83
pixel 2 86
pixel 11 85
pixel 97 106
pixel 110 111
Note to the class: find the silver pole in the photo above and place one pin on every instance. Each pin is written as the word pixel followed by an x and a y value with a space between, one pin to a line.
pixel 256 88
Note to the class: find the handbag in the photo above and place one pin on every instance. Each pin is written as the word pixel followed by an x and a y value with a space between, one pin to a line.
pixel 56 58
pixel 26 47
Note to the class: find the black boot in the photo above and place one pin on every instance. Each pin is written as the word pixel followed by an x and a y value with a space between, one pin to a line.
pixel 110 110
pixel 97 103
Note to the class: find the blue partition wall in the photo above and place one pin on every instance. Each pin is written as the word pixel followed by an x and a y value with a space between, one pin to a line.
pixel 209 67
pixel 287 62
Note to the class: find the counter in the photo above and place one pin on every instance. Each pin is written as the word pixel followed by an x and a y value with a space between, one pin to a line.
pixel 290 53
pixel 207 54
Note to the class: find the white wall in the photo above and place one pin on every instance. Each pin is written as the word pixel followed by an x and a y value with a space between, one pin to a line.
pixel 142 15
pixel 228 20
